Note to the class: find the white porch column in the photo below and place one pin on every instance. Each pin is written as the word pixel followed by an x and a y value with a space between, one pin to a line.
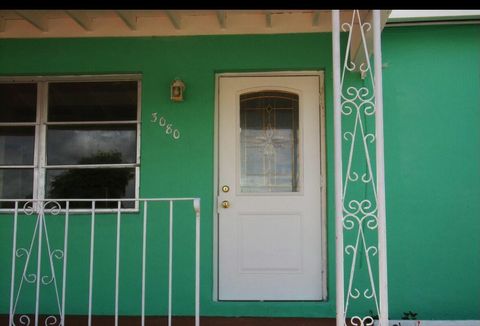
pixel 380 163
pixel 337 126
pixel 359 217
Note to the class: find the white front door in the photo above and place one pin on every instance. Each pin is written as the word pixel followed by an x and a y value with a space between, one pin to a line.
pixel 269 191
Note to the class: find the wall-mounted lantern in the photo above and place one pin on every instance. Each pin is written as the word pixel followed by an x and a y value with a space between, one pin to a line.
pixel 176 90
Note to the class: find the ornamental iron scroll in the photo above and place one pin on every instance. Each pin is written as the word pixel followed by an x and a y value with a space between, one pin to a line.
pixel 39 264
pixel 360 219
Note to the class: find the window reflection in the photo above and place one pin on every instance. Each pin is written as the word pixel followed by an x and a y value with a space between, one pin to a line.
pixel 18 102
pixel 75 144
pixel 92 101
pixel 16 145
pixel 15 184
pixel 91 183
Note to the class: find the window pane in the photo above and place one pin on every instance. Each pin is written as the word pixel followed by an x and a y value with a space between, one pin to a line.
pixel 91 144
pixel 16 145
pixel 15 184
pixel 91 183
pixel 18 102
pixel 269 142
pixel 92 101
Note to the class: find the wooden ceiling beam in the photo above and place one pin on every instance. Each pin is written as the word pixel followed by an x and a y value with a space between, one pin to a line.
pixel 175 19
pixel 3 23
pixel 222 18
pixel 81 19
pixel 316 18
pixel 268 19
pixel 128 18
pixel 35 18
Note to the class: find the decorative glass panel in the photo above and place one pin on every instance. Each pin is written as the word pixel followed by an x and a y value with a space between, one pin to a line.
pixel 92 101
pixel 18 102
pixel 91 183
pixel 269 142
pixel 16 145
pixel 107 144
pixel 15 184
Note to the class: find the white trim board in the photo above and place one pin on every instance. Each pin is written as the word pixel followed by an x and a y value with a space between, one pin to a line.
pixel 425 15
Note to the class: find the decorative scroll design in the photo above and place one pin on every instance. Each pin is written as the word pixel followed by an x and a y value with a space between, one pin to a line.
pixel 360 214
pixel 270 141
pixel 24 320
pixel 32 273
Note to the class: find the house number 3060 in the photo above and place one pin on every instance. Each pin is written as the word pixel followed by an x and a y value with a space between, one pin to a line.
pixel 162 122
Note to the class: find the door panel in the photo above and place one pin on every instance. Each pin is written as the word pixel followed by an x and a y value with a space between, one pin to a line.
pixel 269 217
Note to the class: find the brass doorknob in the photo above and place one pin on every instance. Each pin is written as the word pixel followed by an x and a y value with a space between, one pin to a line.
pixel 225 204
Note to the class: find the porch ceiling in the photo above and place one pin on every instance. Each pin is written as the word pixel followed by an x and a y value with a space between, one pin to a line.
pixel 101 23
pixel 136 23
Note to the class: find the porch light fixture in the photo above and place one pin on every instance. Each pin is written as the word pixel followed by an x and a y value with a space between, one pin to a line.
pixel 176 90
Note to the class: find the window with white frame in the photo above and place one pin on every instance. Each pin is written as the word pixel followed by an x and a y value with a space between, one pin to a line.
pixel 70 138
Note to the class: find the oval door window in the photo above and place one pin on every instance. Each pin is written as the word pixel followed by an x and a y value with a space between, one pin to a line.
pixel 269 142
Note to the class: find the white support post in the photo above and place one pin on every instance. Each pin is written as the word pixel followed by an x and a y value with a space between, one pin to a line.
pixel 144 255
pixel 337 118
pixel 117 261
pixel 92 251
pixel 170 263
pixel 39 263
pixel 380 163
pixel 14 246
pixel 65 252
pixel 196 206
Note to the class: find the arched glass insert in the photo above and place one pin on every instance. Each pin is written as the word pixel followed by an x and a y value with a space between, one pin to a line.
pixel 269 142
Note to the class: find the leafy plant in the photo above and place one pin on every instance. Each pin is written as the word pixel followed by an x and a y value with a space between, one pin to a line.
pixel 410 315
pixel 372 315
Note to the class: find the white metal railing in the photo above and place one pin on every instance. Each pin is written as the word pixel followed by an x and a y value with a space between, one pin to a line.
pixel 45 253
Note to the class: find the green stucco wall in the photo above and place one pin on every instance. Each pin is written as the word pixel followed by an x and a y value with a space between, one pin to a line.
pixel 432 153
pixel 432 139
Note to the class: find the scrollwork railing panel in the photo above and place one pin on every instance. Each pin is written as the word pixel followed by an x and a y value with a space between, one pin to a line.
pixel 31 279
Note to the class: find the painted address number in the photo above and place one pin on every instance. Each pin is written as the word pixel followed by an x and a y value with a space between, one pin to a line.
pixel 168 127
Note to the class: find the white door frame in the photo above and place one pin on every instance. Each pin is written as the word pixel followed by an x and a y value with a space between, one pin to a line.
pixel 322 167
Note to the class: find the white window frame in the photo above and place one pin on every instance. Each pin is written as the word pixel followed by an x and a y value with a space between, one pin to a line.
pixel 40 146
